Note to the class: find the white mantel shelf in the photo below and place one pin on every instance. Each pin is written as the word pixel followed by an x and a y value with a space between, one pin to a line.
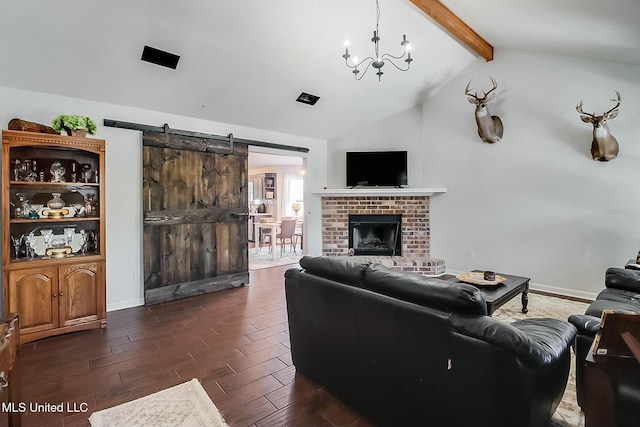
pixel 376 191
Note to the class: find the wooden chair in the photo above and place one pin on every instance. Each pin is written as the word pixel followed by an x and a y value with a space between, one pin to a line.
pixel 287 231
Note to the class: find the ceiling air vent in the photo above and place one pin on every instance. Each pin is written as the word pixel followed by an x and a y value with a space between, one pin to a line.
pixel 307 98
pixel 160 57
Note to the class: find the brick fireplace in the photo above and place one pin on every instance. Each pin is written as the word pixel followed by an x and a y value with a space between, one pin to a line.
pixel 414 211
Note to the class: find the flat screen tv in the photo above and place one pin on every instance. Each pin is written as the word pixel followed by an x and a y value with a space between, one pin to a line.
pixel 376 168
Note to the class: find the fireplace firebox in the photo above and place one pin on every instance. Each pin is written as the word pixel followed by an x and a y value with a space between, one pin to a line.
pixel 375 235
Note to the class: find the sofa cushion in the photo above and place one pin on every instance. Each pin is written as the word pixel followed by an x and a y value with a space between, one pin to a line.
pixel 536 342
pixel 622 278
pixel 339 269
pixel 596 307
pixel 425 291
pixel 619 295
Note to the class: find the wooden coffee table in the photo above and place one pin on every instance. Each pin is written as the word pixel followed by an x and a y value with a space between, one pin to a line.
pixel 497 296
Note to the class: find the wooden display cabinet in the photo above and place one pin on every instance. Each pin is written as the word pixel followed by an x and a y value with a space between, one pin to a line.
pixel 57 288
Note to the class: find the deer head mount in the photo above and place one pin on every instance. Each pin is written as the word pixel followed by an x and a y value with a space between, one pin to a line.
pixel 604 146
pixel 489 127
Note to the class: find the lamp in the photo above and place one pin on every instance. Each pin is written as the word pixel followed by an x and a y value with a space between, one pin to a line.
pixel 379 60
pixel 296 207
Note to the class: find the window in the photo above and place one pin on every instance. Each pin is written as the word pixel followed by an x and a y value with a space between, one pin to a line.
pixel 293 190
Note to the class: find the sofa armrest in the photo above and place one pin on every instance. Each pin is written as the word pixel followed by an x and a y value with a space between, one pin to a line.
pixel 537 342
pixel 585 324
pixel 622 278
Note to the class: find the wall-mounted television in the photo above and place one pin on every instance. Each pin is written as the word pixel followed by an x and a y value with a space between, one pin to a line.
pixel 376 168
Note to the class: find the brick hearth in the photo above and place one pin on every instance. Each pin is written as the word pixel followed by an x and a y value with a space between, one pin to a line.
pixel 415 229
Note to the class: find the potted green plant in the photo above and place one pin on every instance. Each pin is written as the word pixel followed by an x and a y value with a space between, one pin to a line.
pixel 74 125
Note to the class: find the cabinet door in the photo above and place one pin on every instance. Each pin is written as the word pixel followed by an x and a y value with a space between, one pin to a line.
pixel 34 294
pixel 79 299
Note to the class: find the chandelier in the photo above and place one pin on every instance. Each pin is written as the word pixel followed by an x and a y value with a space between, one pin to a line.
pixel 378 61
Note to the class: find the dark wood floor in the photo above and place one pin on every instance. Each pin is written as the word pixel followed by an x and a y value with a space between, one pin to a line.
pixel 235 342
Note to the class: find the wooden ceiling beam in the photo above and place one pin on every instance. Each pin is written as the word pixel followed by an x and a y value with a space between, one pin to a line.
pixel 456 27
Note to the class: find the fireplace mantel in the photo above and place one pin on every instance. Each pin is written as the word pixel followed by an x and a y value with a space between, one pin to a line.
pixel 378 191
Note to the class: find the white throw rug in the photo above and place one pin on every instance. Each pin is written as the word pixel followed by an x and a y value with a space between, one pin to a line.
pixel 258 261
pixel 184 405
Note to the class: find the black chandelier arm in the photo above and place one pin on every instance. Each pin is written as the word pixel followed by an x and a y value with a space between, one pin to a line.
pixel 363 72
pixel 368 58
pixel 394 64
pixel 388 55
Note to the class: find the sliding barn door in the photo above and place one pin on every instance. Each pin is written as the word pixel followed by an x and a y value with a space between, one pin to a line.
pixel 195 216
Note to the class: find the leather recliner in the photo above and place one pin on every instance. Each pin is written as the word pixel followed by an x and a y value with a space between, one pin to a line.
pixel 621 293
pixel 404 349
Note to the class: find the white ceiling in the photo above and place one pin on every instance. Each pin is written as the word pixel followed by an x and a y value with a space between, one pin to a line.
pixel 245 61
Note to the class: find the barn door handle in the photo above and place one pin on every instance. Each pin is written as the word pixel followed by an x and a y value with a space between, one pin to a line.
pixel 155 218
pixel 240 213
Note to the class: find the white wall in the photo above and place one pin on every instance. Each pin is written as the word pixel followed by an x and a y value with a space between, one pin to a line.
pixel 534 204
pixel 124 177
pixel 402 131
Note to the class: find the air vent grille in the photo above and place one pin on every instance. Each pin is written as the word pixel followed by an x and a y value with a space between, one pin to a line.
pixel 307 98
pixel 160 57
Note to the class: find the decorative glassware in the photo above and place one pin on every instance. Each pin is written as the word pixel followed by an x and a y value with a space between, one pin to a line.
pixel 83 241
pixel 17 166
pixel 96 241
pixel 31 245
pixel 17 242
pixel 47 236
pixel 79 208
pixel 57 172
pixel 86 173
pixel 74 171
pixel 20 208
pixel 68 234
pixel 56 202
pixel 33 212
pixel 26 206
pixel 58 241
pixel 90 206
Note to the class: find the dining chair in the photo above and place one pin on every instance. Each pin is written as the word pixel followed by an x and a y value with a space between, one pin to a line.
pixel 287 231
pixel 265 236
pixel 298 236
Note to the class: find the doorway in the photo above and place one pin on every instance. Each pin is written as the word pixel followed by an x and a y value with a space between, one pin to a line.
pixel 275 192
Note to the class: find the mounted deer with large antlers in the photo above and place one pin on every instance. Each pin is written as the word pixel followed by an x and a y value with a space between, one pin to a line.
pixel 604 146
pixel 489 127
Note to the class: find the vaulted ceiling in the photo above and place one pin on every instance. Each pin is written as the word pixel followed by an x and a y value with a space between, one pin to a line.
pixel 245 61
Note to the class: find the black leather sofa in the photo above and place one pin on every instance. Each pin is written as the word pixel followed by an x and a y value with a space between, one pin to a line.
pixel 621 293
pixel 406 350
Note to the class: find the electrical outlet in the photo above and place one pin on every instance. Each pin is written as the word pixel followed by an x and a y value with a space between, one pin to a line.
pixel 471 254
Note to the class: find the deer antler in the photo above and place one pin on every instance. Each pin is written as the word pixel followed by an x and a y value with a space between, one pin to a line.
pixel 495 85
pixel 617 104
pixel 579 109
pixel 467 90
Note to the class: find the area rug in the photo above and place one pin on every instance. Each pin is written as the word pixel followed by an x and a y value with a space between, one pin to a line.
pixel 263 259
pixel 568 413
pixel 184 405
